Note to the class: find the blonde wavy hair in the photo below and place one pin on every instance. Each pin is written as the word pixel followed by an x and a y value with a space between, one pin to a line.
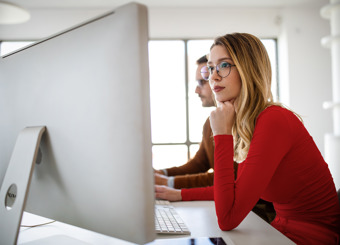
pixel 253 64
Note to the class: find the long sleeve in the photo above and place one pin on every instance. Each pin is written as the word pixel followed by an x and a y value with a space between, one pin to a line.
pixel 200 193
pixel 194 180
pixel 235 199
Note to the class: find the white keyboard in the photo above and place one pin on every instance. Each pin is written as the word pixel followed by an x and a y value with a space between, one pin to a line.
pixel 167 220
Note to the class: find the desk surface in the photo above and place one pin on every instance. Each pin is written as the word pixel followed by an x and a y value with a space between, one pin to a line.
pixel 200 217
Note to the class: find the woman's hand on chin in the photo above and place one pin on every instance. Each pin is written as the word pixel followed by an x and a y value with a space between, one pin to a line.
pixel 223 117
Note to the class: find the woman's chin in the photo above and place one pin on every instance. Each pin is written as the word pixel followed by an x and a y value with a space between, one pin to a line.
pixel 222 100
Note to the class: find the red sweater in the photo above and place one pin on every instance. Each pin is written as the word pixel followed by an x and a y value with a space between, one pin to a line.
pixel 283 166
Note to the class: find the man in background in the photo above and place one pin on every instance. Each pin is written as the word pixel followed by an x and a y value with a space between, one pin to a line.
pixel 194 173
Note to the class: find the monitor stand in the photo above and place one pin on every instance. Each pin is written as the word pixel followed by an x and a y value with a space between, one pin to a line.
pixel 15 186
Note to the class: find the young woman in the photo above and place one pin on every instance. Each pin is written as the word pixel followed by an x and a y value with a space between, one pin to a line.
pixel 279 161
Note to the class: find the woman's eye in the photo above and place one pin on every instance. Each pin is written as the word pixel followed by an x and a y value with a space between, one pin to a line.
pixel 224 65
pixel 210 69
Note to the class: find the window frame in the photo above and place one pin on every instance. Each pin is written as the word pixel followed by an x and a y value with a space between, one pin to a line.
pixel 188 143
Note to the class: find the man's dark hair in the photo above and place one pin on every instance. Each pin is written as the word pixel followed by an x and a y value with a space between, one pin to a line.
pixel 202 60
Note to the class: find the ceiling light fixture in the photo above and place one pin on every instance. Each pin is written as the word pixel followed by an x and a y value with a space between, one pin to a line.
pixel 12 14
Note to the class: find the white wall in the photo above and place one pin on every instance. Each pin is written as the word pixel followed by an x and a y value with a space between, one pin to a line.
pixel 306 69
pixel 209 23
pixel 304 65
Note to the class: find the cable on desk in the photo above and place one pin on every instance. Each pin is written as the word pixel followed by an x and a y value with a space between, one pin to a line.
pixel 32 226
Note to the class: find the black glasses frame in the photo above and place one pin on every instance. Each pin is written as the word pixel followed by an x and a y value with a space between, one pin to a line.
pixel 209 70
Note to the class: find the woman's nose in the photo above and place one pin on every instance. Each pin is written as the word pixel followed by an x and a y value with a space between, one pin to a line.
pixel 214 76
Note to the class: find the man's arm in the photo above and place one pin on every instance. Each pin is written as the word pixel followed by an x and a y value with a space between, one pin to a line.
pixel 194 180
pixel 197 180
pixel 195 172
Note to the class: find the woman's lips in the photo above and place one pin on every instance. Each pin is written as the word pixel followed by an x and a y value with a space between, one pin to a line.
pixel 218 89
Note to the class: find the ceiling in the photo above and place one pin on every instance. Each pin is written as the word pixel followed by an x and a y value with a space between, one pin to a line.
pixel 51 16
pixel 80 4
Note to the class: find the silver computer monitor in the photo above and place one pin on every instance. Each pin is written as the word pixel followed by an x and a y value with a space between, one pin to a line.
pixel 89 86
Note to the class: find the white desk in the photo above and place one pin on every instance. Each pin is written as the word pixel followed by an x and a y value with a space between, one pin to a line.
pixel 200 217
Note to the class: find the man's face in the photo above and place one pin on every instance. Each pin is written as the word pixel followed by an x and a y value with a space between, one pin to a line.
pixel 203 88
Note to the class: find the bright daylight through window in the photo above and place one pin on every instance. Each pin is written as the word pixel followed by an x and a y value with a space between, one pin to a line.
pixel 177 114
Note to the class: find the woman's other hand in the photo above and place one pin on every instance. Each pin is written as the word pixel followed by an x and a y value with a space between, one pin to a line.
pixel 167 193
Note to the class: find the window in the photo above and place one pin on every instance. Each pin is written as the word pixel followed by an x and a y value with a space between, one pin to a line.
pixel 177 115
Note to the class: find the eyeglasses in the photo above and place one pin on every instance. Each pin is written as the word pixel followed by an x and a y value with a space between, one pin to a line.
pixel 223 70
pixel 201 82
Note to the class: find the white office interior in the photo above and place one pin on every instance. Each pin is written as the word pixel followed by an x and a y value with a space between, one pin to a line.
pixel 306 67
pixel 307 31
